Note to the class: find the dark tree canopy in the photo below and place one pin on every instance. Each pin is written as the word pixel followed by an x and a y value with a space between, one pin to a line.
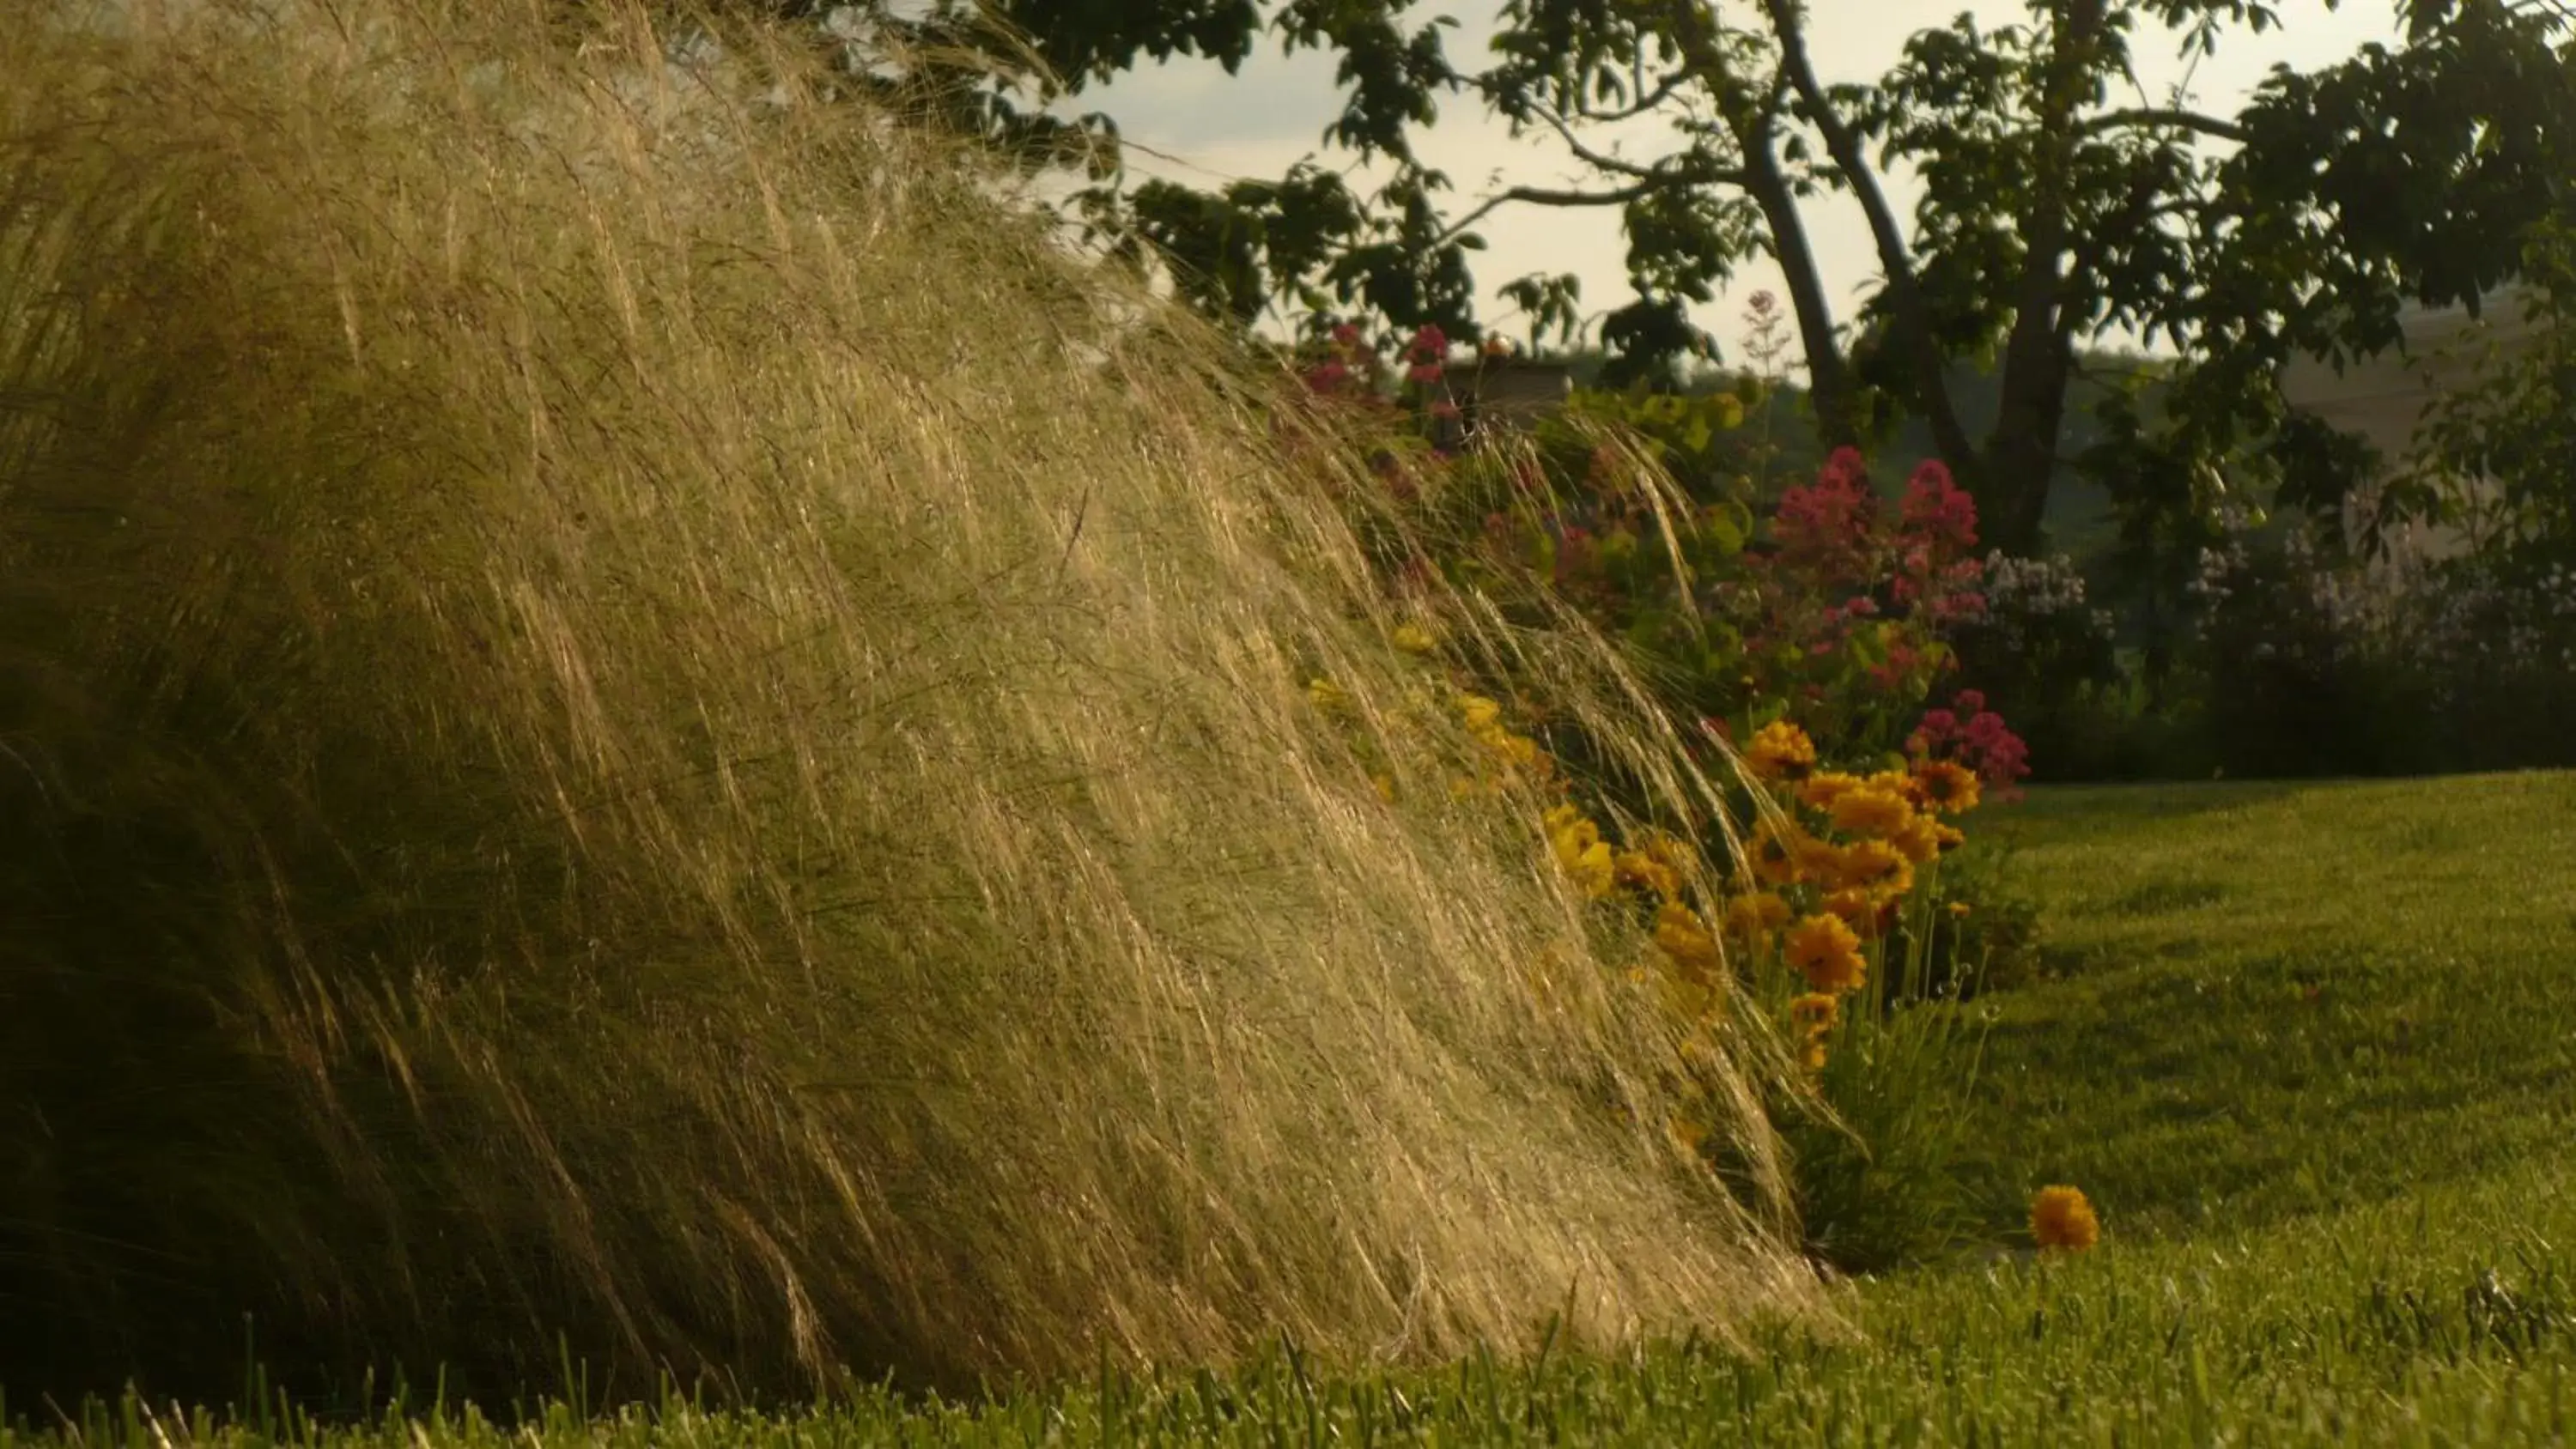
pixel 2063 207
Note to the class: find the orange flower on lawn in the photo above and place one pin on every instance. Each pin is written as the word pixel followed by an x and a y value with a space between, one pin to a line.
pixel 1780 751
pixel 2060 1218
pixel 1827 952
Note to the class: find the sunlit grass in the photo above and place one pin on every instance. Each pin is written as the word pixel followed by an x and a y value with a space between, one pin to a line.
pixel 2277 999
pixel 634 713
pixel 2434 1302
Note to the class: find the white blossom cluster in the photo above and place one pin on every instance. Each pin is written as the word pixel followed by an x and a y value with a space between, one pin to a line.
pixel 2023 593
pixel 2433 617
pixel 2472 616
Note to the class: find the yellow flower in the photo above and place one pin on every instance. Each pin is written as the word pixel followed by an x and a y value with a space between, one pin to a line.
pixel 1919 841
pixel 1636 868
pixel 2061 1218
pixel 1857 909
pixel 1815 1014
pixel 1875 865
pixel 1774 853
pixel 1327 696
pixel 1960 909
pixel 1561 818
pixel 1947 785
pixel 1668 849
pixel 1479 712
pixel 1682 936
pixel 1823 790
pixel 1754 917
pixel 1950 836
pixel 1781 751
pixel 1385 784
pixel 1586 857
pixel 1414 639
pixel 1820 861
pixel 1871 811
pixel 1520 752
pixel 1828 952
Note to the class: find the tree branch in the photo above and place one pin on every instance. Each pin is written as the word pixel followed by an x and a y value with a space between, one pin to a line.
pixel 1548 196
pixel 1596 159
pixel 2159 118
pixel 1663 91
pixel 1904 291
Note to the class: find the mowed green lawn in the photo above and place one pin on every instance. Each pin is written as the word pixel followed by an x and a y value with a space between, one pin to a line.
pixel 2312 1050
pixel 2275 1000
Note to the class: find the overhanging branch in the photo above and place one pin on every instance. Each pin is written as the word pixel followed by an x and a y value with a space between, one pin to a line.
pixel 1550 196
pixel 2148 118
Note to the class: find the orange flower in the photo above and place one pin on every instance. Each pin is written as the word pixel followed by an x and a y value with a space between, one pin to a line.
pixel 1875 865
pixel 1780 751
pixel 1636 868
pixel 1815 1014
pixel 1817 860
pixel 1682 936
pixel 1754 917
pixel 1947 785
pixel 2061 1218
pixel 1859 910
pixel 1816 1009
pixel 1774 853
pixel 1820 792
pixel 1828 952
pixel 1919 841
pixel 1870 811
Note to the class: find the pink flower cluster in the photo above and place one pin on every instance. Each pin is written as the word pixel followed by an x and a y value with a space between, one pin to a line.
pixel 1426 355
pixel 1829 522
pixel 1983 742
pixel 1832 538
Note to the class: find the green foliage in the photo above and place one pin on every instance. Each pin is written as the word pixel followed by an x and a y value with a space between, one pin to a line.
pixel 2057 209
pixel 2511 428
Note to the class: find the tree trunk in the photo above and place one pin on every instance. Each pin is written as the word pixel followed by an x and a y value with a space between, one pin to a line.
pixel 1829 385
pixel 2021 454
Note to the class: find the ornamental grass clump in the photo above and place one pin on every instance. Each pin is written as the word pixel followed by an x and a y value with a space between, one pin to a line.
pixel 640 724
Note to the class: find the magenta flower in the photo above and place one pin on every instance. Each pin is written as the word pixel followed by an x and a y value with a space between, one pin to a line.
pixel 1935 506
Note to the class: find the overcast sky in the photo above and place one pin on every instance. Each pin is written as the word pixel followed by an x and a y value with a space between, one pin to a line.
pixel 1261 121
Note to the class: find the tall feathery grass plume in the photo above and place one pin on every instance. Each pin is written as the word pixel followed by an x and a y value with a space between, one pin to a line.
pixel 637 721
